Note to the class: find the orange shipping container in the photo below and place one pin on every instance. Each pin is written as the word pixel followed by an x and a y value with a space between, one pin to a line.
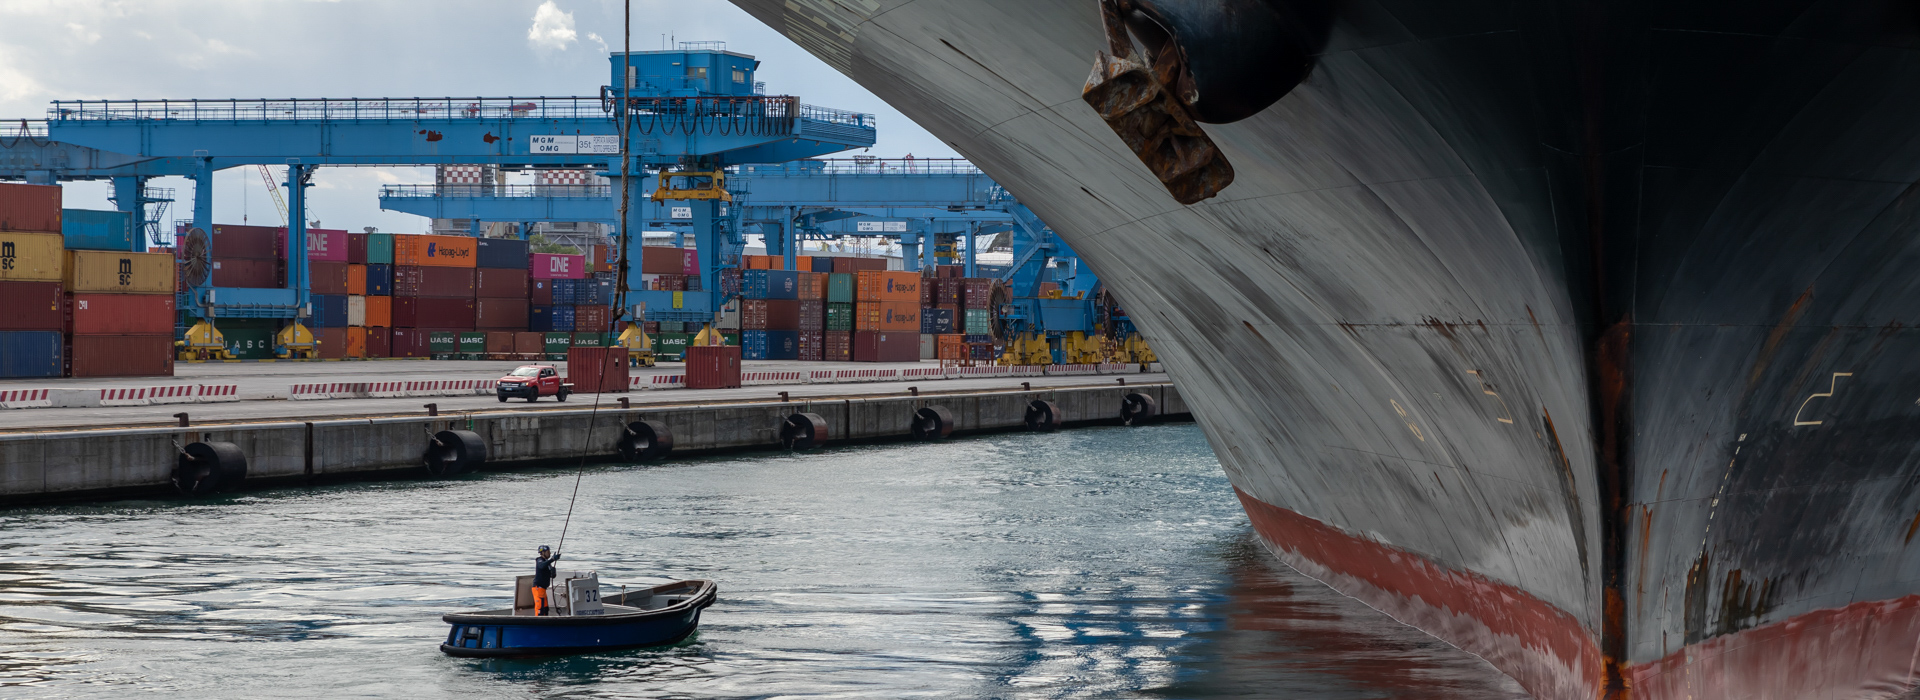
pixel 356 342
pixel 803 263
pixel 357 280
pixel 435 251
pixel 887 316
pixel 889 286
pixel 813 286
pixel 379 312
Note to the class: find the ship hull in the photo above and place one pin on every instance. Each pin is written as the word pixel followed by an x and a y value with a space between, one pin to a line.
pixel 1576 334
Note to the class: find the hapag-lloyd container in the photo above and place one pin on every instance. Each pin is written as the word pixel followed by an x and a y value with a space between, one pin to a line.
pixel 326 245
pixel 597 370
pixel 887 286
pixel 30 208
pixel 30 354
pixel 887 316
pixel 886 346
pixel 713 367
pixel 118 272
pixel 33 257
pixel 120 355
pixel 120 314
pixel 554 266
pixel 433 251
pixel 36 306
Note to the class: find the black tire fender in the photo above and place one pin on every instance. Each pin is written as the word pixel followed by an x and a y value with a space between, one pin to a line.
pixel 209 467
pixel 1137 408
pixel 1043 415
pixel 932 423
pixel 804 431
pixel 645 441
pixel 453 452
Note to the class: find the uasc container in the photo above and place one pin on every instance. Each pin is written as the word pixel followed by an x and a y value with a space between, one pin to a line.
pixel 118 272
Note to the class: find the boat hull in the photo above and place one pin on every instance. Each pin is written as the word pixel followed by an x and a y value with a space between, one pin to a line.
pixel 497 634
pixel 1573 332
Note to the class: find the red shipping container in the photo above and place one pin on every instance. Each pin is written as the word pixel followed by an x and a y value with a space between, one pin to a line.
pixel 590 319
pixel 602 259
pixel 849 265
pixel 119 314
pixel 977 292
pixel 812 316
pixel 500 284
pixel 552 266
pixel 406 312
pixel 327 277
pixel 529 343
pixel 837 346
pixel 379 342
pixel 245 242
pixel 499 314
pixel 409 342
pixel 333 342
pixel 246 272
pixel 499 343
pixel 432 281
pixel 540 292
pixel 357 248
pixel 598 370
pixel 120 355
pixel 770 314
pixel 713 366
pixel 947 291
pixel 662 260
pixel 811 345
pixel 444 312
pixel 886 346
pixel 37 306
pixel 30 208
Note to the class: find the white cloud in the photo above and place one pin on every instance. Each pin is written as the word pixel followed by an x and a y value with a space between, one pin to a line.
pixel 552 29
pixel 597 40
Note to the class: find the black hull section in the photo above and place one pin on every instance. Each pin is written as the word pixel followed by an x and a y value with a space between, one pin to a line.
pixel 1603 308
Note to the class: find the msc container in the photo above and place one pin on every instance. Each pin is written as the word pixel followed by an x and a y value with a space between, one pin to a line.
pixel 327 277
pixel 887 316
pixel 836 346
pixel 118 272
pixel 840 288
pixel 357 248
pixel 327 245
pixel 332 342
pixel 663 260
pixel 26 354
pixel 528 343
pixel 713 367
pixel 433 251
pixel 500 314
pixel 356 311
pixel 472 342
pixel 424 281
pixel 409 342
pixel 29 208
pixel 839 317
pixel 770 315
pixel 379 342
pixel 770 284
pixel 329 311
pixel 500 283
pixel 120 355
pixel 246 272
pixel 116 314
pixel 501 253
pixel 36 306
pixel 444 312
pixel 88 229
pixel 592 318
pixel 887 286
pixel 356 342
pixel 886 346
pixel 770 345
pixel 380 249
pixel 540 292
pixel 810 345
pixel 936 321
pixel 32 257
pixel 442 342
pixel 670 346
pixel 554 266
pixel 811 315
pixel 356 279
pixel 379 280
pixel 245 242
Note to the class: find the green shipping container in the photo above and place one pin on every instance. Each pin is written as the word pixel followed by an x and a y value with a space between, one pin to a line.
pixel 670 346
pixel 380 248
pixel 558 343
pixel 589 340
pixel 839 316
pixel 473 342
pixel 249 338
pixel 443 341
pixel 840 287
pixel 733 337
pixel 977 322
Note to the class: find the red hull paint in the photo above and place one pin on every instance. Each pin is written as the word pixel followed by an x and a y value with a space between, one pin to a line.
pixel 1542 647
pixel 1863 650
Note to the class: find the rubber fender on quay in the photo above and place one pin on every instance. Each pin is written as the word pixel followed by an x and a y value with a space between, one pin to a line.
pixel 452 452
pixel 1137 408
pixel 646 441
pixel 1043 415
pixel 932 423
pixel 209 467
pixel 804 431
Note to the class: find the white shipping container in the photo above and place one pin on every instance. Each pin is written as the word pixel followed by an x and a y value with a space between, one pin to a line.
pixel 356 311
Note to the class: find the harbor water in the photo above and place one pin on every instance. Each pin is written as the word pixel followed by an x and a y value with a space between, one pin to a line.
pixel 1106 562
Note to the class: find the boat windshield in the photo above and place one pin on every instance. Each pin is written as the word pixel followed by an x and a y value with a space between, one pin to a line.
pixel 526 372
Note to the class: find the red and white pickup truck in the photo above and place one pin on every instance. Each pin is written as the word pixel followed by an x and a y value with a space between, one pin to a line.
pixel 532 382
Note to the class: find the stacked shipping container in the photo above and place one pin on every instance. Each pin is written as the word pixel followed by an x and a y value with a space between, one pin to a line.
pixel 31 260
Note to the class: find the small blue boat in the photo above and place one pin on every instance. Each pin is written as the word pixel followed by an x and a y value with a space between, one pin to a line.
pixel 654 616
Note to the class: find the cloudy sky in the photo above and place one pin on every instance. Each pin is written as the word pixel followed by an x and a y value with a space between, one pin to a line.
pixel 95 49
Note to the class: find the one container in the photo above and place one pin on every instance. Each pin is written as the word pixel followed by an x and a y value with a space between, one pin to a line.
pixel 333 342
pixel 29 207
pixel 887 286
pixel 379 342
pixel 329 311
pixel 887 316
pixel 32 257
pixel 501 253
pixel 245 242
pixel 327 245
pixel 36 306
pixel 379 280
pixel 356 311
pixel 357 248
pixel 356 279
pixel 409 342
pixel 379 312
pixel 839 317
pixel 246 272
pixel 444 312
pixel 770 345
pixel 500 283
pixel 552 266
pixel 811 315
pixel 25 354
pixel 380 249
pixel 89 229
pixel 690 261
pixel 836 346
pixel 356 342
pixel 327 277
pixel 840 288
pixel 118 272
pixel 500 314
pixel 118 314
pixel 433 251
pixel 770 284
pixel 886 346
pixel 120 355
pixel 713 367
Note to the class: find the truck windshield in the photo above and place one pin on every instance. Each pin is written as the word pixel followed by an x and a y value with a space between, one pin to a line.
pixel 526 372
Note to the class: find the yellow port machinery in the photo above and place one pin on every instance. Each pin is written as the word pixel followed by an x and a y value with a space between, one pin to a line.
pixel 1027 349
pixel 295 342
pixel 639 346
pixel 203 342
pixel 693 184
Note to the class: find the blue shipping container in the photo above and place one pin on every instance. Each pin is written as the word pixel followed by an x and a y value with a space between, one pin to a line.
pixel 540 318
pixel 936 321
pixel 770 345
pixel 602 291
pixel 30 354
pixel 562 318
pixel 770 284
pixel 329 311
pixel 501 253
pixel 379 280
pixel 88 229
pixel 564 292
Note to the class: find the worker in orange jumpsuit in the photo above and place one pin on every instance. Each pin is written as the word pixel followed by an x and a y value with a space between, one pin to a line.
pixel 542 577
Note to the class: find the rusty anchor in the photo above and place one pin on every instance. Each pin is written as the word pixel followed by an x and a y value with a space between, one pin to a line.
pixel 1151 109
